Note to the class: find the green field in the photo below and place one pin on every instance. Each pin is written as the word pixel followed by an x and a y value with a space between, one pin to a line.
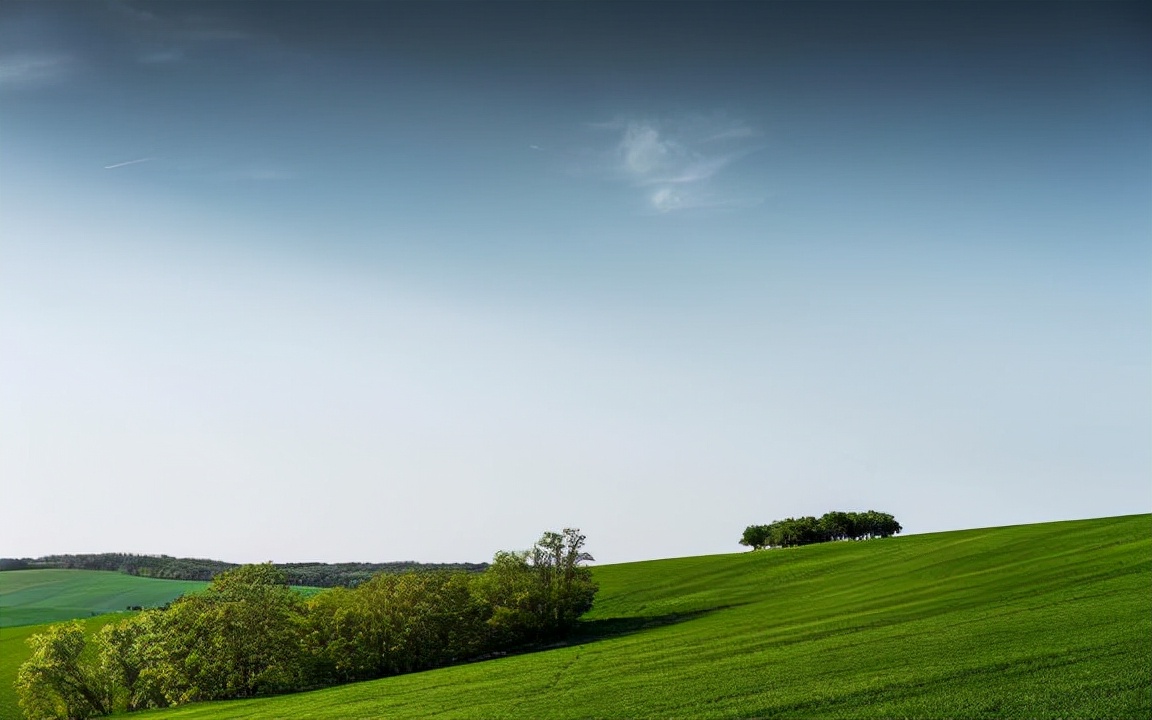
pixel 1051 620
pixel 29 597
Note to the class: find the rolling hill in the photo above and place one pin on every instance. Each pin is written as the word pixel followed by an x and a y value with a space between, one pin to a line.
pixel 1040 620
pixel 30 597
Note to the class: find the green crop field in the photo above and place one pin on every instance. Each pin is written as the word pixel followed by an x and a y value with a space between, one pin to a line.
pixel 43 596
pixel 1050 620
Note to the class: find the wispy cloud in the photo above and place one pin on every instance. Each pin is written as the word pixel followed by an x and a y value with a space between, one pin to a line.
pixel 128 162
pixel 32 69
pixel 165 34
pixel 677 163
pixel 48 48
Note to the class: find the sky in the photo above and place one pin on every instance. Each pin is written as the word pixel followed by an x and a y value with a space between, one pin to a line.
pixel 354 281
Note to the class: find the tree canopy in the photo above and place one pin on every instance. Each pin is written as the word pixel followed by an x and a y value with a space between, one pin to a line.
pixel 310 574
pixel 832 526
pixel 249 633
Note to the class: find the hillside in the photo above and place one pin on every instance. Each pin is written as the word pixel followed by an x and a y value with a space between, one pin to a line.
pixel 1028 621
pixel 30 597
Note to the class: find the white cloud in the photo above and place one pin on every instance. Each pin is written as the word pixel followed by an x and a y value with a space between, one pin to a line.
pixel 644 151
pixel 699 170
pixel 683 159
pixel 126 163
pixel 666 199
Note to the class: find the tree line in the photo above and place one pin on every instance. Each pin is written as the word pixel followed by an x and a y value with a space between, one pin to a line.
pixel 312 574
pixel 249 633
pixel 832 526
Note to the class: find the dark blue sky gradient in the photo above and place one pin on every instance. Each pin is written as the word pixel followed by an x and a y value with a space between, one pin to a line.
pixel 713 263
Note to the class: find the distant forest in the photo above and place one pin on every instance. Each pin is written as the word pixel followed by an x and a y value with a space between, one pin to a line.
pixel 172 568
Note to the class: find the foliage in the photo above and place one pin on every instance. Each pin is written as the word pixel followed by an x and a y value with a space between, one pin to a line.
pixel 352 574
pixel 538 594
pixel 1049 620
pixel 15 651
pixel 394 624
pixel 60 680
pixel 833 526
pixel 153 566
pixel 172 568
pixel 240 638
pixel 251 634
pixel 129 661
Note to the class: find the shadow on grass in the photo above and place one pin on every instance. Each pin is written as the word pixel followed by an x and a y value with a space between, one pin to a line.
pixel 587 631
pixel 590 631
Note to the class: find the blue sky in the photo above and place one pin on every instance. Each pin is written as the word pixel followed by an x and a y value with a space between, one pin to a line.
pixel 352 281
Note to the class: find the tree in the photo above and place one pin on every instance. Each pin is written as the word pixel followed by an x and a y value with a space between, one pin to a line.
pixel 538 594
pixel 338 645
pixel 129 661
pixel 61 679
pixel 509 587
pixel 835 525
pixel 880 525
pixel 395 623
pixel 838 525
pixel 240 637
pixel 755 536
pixel 557 559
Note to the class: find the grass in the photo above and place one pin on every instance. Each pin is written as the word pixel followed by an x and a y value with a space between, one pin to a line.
pixel 29 597
pixel 1050 620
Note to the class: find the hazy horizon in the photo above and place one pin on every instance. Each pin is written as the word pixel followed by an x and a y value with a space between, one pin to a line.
pixel 384 561
pixel 373 282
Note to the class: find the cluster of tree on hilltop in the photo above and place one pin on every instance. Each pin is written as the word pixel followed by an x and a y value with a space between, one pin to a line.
pixel 832 526
pixel 251 634
pixel 312 574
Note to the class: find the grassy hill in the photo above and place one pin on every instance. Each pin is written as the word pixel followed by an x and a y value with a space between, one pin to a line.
pixel 43 596
pixel 1029 621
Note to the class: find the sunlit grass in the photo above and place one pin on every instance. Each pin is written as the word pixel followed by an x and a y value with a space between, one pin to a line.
pixel 1051 620
pixel 43 596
